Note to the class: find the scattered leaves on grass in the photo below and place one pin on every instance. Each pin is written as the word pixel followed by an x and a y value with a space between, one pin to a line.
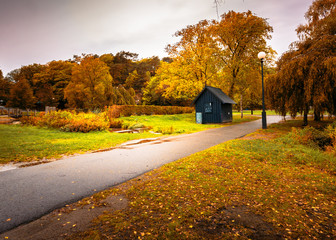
pixel 241 189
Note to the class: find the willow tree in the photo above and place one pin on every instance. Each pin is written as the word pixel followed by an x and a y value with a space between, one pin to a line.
pixel 306 74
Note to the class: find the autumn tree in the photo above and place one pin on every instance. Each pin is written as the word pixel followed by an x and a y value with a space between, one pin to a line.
pixel 145 68
pixel 152 93
pixel 194 54
pixel 239 37
pixel 132 78
pixel 306 74
pixel 120 65
pixel 51 82
pixel 190 66
pixel 90 86
pixel 219 53
pixel 26 72
pixel 5 86
pixel 173 84
pixel 21 95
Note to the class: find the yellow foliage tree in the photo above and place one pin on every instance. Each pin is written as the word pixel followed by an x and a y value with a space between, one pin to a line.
pixel 90 86
pixel 218 53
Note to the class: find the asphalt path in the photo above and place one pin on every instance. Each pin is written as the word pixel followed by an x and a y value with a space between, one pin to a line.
pixel 29 193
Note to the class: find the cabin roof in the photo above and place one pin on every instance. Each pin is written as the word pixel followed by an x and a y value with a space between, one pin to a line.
pixel 218 93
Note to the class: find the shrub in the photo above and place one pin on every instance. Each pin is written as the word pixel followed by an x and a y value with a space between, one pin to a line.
pixel 312 137
pixel 69 121
pixel 115 123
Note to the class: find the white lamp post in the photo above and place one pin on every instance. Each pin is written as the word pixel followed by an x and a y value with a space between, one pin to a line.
pixel 262 56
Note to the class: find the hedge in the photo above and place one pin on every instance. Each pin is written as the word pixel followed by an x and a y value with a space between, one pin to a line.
pixel 116 111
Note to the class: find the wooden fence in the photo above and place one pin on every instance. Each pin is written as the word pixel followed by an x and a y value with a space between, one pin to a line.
pixel 16 112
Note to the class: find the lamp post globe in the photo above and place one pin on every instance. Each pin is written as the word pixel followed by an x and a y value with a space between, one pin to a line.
pixel 262 56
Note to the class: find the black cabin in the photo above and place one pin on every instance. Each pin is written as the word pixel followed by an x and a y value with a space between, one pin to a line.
pixel 213 106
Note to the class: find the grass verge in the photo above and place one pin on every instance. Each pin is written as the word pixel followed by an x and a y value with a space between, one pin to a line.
pixel 270 188
pixel 27 143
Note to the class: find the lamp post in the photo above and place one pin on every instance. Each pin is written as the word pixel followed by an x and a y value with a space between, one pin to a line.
pixel 262 56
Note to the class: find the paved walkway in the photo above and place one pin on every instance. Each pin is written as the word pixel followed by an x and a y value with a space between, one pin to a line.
pixel 31 192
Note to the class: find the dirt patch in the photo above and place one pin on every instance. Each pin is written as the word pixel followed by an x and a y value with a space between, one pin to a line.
pixel 238 220
pixel 65 221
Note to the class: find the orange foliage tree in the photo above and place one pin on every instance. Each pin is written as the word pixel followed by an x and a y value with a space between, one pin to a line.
pixel 21 95
pixel 51 81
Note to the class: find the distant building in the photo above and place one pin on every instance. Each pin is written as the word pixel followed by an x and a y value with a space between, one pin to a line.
pixel 212 105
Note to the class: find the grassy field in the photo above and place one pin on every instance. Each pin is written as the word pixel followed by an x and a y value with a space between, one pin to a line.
pixel 26 143
pixel 180 123
pixel 265 186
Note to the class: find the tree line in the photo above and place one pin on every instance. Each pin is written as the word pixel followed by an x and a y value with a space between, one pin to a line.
pixel 221 53
pixel 86 82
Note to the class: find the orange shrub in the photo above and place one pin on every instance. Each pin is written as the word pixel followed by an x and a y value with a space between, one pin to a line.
pixel 69 121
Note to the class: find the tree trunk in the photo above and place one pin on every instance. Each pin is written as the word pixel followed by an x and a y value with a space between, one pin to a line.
pixel 317 116
pixel 305 116
pixel 231 90
pixel 241 106
pixel 251 111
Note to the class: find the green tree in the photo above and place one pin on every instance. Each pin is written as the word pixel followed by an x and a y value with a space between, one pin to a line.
pixel 90 86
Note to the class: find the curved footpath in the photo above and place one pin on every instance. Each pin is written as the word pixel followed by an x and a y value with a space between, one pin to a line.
pixel 31 192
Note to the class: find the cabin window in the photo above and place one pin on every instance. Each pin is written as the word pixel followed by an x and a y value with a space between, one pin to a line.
pixel 208 107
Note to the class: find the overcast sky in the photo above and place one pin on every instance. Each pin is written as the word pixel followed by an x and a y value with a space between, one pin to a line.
pixel 39 31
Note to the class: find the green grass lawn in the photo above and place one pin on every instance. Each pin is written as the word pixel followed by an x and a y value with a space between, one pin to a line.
pixel 179 123
pixel 26 143
pixel 268 188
